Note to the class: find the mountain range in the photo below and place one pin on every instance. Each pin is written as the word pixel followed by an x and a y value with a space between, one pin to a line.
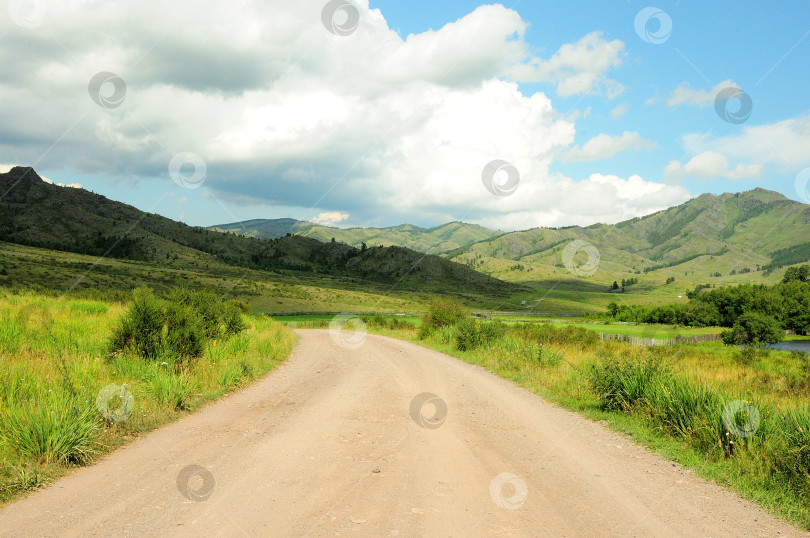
pixel 709 236
pixel 716 239
pixel 40 214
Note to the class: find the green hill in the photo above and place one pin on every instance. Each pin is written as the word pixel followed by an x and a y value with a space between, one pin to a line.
pixel 436 240
pixel 39 214
pixel 751 231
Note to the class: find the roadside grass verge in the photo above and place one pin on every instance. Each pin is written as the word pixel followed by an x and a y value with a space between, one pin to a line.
pixel 65 400
pixel 745 425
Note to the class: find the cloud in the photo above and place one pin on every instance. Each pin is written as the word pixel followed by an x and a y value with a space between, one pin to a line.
pixel 604 146
pixel 330 218
pixel 285 113
pixel 578 68
pixel 783 143
pixel 711 165
pixel 683 94
pixel 618 111
pixel 599 198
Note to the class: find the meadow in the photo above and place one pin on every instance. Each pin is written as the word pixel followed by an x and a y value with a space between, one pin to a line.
pixel 66 399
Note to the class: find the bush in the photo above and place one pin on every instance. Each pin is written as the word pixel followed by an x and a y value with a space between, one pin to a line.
pixel 177 327
pixel 471 334
pixel 443 313
pixel 753 329
pixel 545 333
pixel 468 336
pixel 233 321
pixel 141 329
pixel 183 335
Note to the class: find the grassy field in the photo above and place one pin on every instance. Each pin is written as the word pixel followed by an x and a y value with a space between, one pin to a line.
pixel 671 399
pixel 57 273
pixel 649 330
pixel 65 400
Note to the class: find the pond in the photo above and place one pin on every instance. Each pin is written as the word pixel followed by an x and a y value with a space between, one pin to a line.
pixel 792 345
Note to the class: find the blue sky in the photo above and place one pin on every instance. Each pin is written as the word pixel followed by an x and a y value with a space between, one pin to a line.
pixel 392 122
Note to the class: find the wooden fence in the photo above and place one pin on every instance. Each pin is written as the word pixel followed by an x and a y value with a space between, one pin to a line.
pixel 648 342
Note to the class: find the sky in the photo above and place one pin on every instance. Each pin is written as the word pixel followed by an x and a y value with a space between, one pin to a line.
pixel 378 113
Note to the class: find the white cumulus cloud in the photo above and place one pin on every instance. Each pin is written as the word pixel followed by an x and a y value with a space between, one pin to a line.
pixel 283 112
pixel 683 94
pixel 604 146
pixel 711 165
pixel 330 218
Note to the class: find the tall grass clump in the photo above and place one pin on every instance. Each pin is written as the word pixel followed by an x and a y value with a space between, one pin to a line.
pixel 171 389
pixel 59 428
pixel 472 334
pixel 176 327
pixel 791 450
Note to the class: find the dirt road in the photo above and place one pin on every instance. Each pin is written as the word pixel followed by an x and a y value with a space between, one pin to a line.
pixel 327 445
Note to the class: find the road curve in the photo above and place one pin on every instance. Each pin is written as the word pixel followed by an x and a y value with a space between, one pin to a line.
pixel 326 446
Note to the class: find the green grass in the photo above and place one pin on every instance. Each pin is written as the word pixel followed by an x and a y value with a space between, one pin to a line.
pixel 64 401
pixel 650 330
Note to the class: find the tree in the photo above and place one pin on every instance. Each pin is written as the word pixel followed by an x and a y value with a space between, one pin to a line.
pixel 615 285
pixel 613 308
pixel 753 329
pixel 797 274
pixel 363 247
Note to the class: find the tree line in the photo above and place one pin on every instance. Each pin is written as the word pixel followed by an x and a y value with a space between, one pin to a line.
pixel 757 307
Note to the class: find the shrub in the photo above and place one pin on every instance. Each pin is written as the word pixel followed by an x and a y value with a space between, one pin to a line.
pixel 753 329
pixel 141 329
pixel 233 321
pixel 489 332
pixel 545 333
pixel 183 335
pixel 468 336
pixel 207 307
pixel 177 327
pixel 443 313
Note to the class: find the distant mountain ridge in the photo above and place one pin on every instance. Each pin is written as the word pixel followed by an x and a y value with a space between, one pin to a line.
pixel 36 213
pixel 436 240
pixel 749 231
